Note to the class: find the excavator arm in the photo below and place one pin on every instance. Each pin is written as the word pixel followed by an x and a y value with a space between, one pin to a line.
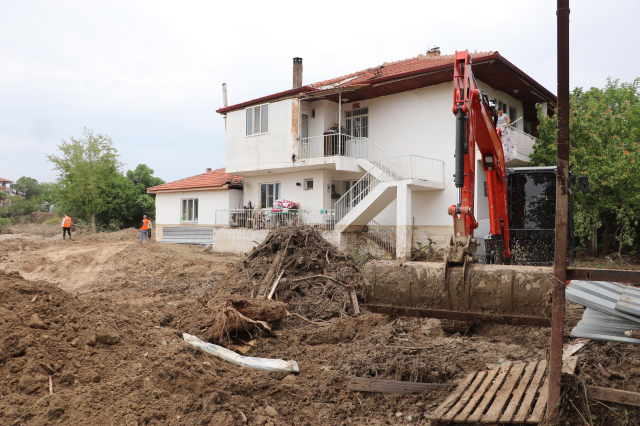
pixel 475 128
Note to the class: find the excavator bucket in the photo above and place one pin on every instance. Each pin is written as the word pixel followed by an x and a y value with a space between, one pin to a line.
pixel 503 294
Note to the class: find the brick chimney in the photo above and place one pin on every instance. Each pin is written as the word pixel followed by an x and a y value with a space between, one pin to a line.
pixel 297 72
pixel 433 52
pixel 208 169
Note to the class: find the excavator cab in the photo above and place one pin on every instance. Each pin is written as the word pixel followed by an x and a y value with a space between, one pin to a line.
pixel 531 199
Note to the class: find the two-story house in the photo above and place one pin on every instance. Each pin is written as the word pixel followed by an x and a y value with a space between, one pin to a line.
pixel 367 154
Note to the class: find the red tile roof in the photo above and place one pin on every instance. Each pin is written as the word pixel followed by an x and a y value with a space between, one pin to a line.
pixel 212 179
pixel 421 63
pixel 6 180
pixel 392 69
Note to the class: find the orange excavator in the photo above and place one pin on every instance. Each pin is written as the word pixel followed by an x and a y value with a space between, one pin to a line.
pixel 521 200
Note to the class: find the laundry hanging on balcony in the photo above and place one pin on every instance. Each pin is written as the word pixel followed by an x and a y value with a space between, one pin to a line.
pixel 508 145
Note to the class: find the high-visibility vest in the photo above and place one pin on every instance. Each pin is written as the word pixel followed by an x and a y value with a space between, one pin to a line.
pixel 67 222
pixel 145 224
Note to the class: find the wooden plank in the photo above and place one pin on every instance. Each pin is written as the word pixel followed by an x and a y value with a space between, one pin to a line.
pixel 614 395
pixel 493 414
pixel 569 365
pixel 530 393
pixel 488 396
pixel 462 417
pixel 538 410
pixel 466 396
pixel 392 386
pixel 453 398
pixel 517 394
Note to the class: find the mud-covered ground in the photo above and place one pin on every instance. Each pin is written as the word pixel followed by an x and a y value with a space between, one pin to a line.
pixel 97 318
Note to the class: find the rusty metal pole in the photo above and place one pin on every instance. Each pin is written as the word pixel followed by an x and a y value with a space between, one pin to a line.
pixel 562 213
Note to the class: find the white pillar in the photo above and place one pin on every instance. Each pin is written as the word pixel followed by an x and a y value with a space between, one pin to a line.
pixel 404 227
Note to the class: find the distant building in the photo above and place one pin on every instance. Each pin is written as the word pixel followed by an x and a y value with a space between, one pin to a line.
pixel 5 186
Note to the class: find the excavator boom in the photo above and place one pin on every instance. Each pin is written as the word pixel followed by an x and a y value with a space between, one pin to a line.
pixel 475 128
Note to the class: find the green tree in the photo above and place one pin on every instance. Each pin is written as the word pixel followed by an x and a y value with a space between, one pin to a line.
pixel 126 204
pixel 29 187
pixel 17 206
pixel 87 168
pixel 604 129
pixel 143 178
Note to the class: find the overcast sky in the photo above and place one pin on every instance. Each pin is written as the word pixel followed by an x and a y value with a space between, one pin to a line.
pixel 149 73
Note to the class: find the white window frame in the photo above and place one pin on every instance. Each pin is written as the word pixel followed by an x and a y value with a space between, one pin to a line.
pixel 265 206
pixel 253 109
pixel 305 182
pixel 194 211
pixel 350 118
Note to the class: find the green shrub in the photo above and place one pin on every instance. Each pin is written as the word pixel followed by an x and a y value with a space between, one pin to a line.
pixel 5 222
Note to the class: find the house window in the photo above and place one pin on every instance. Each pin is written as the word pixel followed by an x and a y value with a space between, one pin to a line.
pixel 269 193
pixel 257 120
pixel 308 184
pixel 357 122
pixel 189 211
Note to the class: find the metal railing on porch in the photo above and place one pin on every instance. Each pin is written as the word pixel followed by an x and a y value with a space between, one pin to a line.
pixel 524 142
pixel 271 218
pixel 342 145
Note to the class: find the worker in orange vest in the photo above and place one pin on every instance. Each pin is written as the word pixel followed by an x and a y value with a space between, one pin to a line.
pixel 144 227
pixel 66 226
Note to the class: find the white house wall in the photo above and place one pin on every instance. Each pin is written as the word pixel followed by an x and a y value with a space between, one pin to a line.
pixel 250 152
pixel 315 199
pixel 418 122
pixel 168 205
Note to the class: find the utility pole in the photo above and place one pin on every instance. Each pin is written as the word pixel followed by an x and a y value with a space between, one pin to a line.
pixel 562 214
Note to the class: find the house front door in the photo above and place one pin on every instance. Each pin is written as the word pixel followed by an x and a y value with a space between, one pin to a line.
pixel 304 132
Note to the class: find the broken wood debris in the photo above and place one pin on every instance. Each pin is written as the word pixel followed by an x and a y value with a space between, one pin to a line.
pixel 614 395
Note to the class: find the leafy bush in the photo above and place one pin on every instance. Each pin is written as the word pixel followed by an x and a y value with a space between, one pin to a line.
pixel 5 222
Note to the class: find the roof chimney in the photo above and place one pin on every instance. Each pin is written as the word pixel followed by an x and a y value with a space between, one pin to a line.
pixel 208 169
pixel 297 72
pixel 433 52
pixel 224 94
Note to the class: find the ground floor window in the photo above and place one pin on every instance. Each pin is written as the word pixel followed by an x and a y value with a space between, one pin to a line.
pixel 269 193
pixel 189 212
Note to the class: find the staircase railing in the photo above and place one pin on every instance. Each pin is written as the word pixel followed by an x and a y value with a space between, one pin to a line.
pixel 389 169
pixel 368 182
pixel 381 236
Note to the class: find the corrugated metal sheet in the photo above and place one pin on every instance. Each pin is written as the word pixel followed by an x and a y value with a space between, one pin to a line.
pixel 599 295
pixel 630 301
pixel 188 235
pixel 599 326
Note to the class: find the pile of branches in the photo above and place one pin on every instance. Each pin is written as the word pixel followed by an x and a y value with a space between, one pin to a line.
pixel 297 266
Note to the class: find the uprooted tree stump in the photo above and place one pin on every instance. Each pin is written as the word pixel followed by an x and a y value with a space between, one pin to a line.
pixel 237 316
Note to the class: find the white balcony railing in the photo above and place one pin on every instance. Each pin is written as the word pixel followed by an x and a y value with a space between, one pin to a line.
pixel 272 218
pixel 524 142
pixel 342 145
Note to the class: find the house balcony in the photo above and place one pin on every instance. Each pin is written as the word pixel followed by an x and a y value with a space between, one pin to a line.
pixel 523 143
